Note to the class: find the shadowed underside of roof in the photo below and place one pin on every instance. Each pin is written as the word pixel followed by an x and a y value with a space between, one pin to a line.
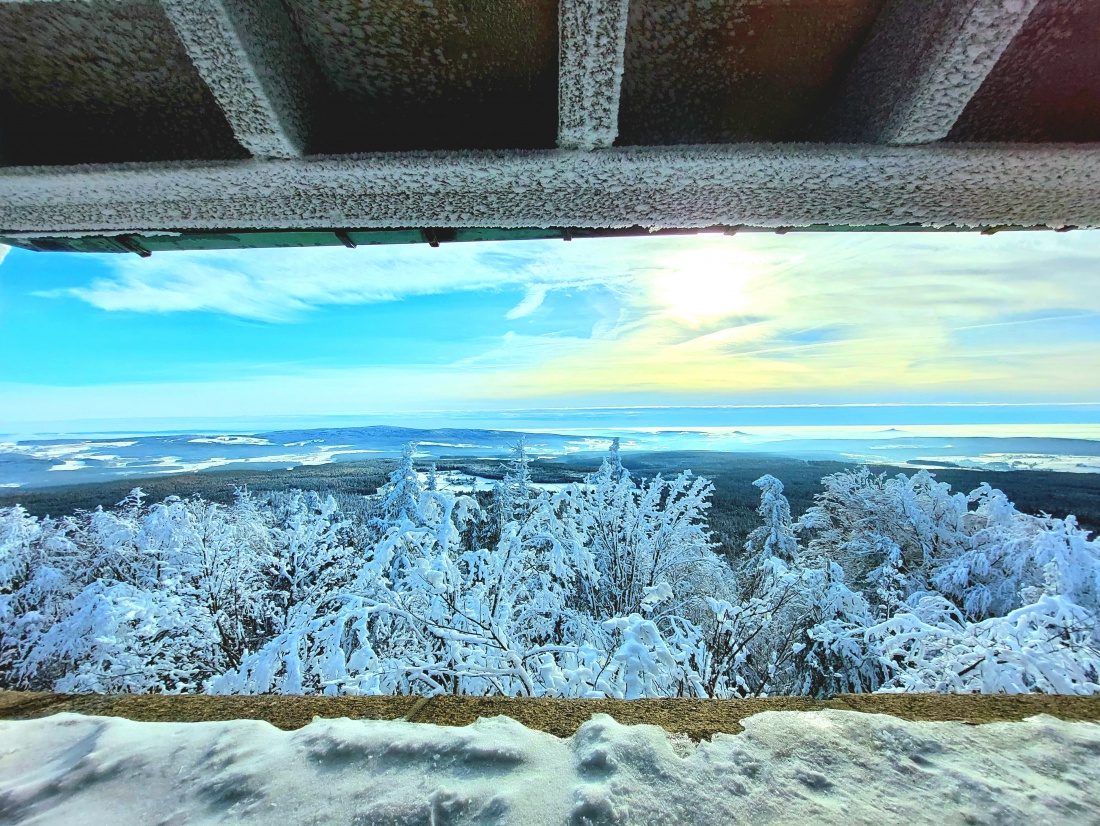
pixel 151 117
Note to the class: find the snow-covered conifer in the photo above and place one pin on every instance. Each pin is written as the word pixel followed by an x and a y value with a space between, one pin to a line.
pixel 516 490
pixel 400 496
pixel 774 539
pixel 615 461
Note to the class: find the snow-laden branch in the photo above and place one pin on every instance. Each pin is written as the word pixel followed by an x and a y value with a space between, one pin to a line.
pixel 607 588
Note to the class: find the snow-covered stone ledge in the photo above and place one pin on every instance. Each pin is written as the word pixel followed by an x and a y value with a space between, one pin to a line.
pixel 786 767
pixel 765 185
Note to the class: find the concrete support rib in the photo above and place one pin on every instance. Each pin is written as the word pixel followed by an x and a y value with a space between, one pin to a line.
pixel 923 62
pixel 769 185
pixel 249 54
pixel 591 48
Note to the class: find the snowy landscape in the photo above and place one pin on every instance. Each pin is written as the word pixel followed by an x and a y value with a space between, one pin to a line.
pixel 55 459
pixel 717 468
pixel 607 587
pixel 578 412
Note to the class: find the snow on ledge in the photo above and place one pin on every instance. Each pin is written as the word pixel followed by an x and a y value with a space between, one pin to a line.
pixel 787 767
pixel 768 185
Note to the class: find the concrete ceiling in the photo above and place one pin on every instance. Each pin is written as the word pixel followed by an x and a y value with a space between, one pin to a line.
pixel 102 81
pixel 144 116
pixel 703 72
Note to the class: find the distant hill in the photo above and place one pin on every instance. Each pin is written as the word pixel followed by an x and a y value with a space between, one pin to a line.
pixel 36 463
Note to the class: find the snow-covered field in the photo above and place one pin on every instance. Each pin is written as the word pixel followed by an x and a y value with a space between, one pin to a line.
pixel 455 481
pixel 786 767
pixel 42 461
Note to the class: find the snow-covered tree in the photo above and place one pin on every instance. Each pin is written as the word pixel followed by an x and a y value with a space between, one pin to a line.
pixel 119 638
pixel 775 538
pixel 402 623
pixel 426 614
pixel 609 587
pixel 306 553
pixel 988 599
pixel 1049 646
pixel 400 496
pixel 834 658
pixel 516 491
pixel 1012 558
pixel 861 521
pixel 641 536
pixel 615 461
pixel 39 572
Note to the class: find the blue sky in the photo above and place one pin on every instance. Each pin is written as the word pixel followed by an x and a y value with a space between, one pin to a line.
pixel 755 319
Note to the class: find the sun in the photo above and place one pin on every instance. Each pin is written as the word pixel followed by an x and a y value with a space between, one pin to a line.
pixel 706 283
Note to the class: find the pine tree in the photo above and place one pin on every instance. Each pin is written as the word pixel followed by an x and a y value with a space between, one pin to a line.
pixel 775 539
pixel 614 460
pixel 400 496
pixel 516 490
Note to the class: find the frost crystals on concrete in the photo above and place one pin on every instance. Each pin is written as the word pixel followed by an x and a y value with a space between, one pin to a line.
pixel 592 42
pixel 248 53
pixel 769 185
pixel 923 63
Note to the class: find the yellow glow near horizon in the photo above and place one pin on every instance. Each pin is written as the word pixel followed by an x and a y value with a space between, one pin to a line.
pixel 873 315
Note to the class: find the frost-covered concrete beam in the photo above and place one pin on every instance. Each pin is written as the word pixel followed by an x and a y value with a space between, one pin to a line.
pixel 591 48
pixel 249 54
pixel 923 62
pixel 779 185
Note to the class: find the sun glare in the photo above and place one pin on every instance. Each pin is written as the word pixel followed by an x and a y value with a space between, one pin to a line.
pixel 705 283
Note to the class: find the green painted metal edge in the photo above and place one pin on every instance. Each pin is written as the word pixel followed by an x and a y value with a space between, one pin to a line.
pixel 146 244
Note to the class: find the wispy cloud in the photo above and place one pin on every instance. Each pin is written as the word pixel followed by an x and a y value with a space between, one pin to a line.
pixel 748 319
pixel 870 314
pixel 533 299
pixel 282 285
